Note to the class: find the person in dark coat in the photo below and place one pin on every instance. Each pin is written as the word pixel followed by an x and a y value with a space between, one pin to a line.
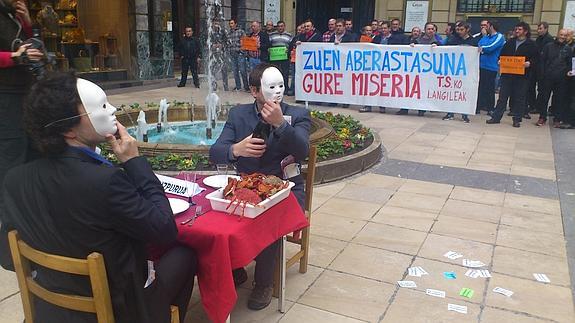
pixel 398 37
pixel 310 34
pixel 553 67
pixel 543 39
pixel 15 82
pixel 73 202
pixel 255 57
pixel 191 53
pixel 289 135
pixel 514 86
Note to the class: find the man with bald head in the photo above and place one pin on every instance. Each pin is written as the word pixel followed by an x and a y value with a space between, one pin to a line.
pixel 330 30
pixel 554 65
pixel 263 44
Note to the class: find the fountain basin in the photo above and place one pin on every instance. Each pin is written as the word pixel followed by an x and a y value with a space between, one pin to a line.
pixel 179 115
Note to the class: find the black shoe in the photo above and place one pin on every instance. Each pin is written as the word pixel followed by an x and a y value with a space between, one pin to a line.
pixel 465 119
pixel 381 109
pixel 240 276
pixel 260 298
pixel 420 113
pixel 509 114
pixel 492 121
pixel 516 124
pixel 197 86
pixel 402 112
pixel 181 85
pixel 365 109
pixel 447 117
pixel 527 116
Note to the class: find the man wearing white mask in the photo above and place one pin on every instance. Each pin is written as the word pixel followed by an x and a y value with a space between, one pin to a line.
pixel 288 135
pixel 72 202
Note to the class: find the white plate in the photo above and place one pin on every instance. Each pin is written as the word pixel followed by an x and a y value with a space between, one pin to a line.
pixel 218 181
pixel 178 205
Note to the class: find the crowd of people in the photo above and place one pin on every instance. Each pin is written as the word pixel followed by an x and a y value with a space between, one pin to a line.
pixel 547 61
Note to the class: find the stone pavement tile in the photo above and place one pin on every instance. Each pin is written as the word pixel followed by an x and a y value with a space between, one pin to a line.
pixel 322 250
pixel 477 196
pixel 349 208
pixel 413 149
pixel 542 242
pixel 524 264
pixel 241 313
pixel 426 188
pixel 535 204
pixel 533 297
pixel 318 200
pixel 356 192
pixel 379 181
pixel 337 227
pixel 414 201
pixel 8 282
pixel 402 155
pixel 447 161
pixel 397 168
pixel 353 296
pixel 11 309
pixel 465 229
pixel 329 189
pixel 405 218
pixel 372 263
pixel 529 146
pixel 297 283
pixel 301 313
pixel 533 172
pixel 493 158
pixel 435 246
pixel 535 163
pixel 417 307
pixel 452 152
pixel 493 315
pixel 435 280
pixel 532 220
pixel 498 139
pixel 461 177
pixel 473 211
pixel 536 187
pixel 390 238
pixel 534 155
pixel 489 167
pixel 424 138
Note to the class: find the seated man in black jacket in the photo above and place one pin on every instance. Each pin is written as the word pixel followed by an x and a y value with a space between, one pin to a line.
pixel 73 202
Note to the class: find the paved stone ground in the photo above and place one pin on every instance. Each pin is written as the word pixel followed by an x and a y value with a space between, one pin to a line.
pixel 497 194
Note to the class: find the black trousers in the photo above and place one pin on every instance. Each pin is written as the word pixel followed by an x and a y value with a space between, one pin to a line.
pixel 174 282
pixel 486 93
pixel 190 64
pixel 513 88
pixel 283 66
pixel 558 88
pixel 265 265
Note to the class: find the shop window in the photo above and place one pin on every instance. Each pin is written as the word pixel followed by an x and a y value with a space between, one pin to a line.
pixel 495 6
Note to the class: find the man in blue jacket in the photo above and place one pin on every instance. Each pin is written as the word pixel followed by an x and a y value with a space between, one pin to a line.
pixel 289 136
pixel 490 46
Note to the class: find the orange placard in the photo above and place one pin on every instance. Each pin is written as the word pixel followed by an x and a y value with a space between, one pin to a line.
pixel 512 65
pixel 365 39
pixel 249 43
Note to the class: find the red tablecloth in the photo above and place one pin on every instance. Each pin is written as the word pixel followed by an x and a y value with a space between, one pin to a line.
pixel 223 242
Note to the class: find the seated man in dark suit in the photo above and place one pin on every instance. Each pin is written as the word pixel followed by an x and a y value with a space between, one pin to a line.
pixel 73 202
pixel 288 136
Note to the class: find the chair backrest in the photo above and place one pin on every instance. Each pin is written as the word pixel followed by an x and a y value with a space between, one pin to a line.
pixel 92 266
pixel 309 177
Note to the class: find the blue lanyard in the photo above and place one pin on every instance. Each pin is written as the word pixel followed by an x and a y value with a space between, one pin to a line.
pixel 93 155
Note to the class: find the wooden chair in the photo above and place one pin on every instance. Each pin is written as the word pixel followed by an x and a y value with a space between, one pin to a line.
pixel 92 266
pixel 303 239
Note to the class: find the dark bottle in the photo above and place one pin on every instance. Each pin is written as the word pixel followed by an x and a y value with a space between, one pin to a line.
pixel 262 130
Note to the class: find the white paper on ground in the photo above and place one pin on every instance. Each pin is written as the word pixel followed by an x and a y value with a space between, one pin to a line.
pixel 457 308
pixel 542 278
pixel 484 273
pixel 416 271
pixel 406 284
pixel 453 255
pixel 503 291
pixel 472 273
pixel 435 292
pixel 472 263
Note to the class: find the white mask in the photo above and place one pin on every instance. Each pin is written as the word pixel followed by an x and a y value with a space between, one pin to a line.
pixel 273 85
pixel 99 110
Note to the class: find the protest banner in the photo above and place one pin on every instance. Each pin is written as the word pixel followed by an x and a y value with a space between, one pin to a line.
pixel 249 44
pixel 512 65
pixel 442 78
